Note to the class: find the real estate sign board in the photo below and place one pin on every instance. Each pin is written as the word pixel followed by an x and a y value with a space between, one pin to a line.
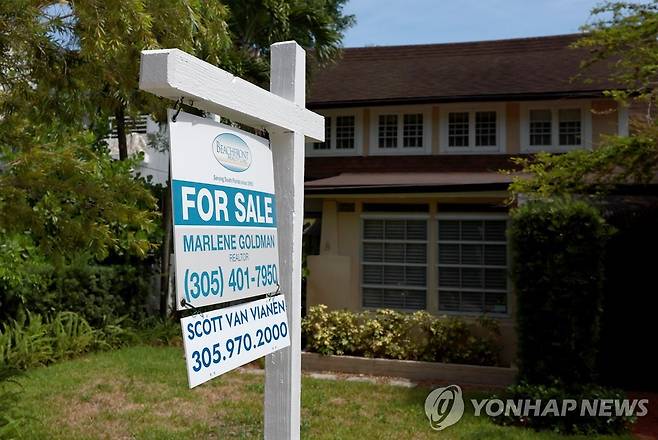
pixel 224 213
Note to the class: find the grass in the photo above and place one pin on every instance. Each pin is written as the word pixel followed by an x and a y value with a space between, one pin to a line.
pixel 141 392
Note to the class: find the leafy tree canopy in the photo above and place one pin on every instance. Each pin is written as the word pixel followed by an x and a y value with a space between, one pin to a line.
pixel 627 34
pixel 66 66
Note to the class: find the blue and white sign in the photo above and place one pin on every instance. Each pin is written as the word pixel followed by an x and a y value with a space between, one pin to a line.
pixel 218 341
pixel 224 212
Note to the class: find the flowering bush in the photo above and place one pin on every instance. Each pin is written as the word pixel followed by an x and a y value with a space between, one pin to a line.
pixel 395 335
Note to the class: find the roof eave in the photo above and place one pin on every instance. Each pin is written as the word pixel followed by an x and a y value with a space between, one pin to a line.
pixel 461 98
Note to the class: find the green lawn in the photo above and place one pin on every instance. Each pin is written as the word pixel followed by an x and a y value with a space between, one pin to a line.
pixel 141 392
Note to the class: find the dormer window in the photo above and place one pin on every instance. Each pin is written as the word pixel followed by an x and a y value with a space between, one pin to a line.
pixel 555 127
pixel 472 128
pixel 400 130
pixel 342 134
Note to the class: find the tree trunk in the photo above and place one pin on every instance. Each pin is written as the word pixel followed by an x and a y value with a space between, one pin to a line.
pixel 120 121
pixel 165 252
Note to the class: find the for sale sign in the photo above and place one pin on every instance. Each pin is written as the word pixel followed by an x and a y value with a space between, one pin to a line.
pixel 221 340
pixel 224 212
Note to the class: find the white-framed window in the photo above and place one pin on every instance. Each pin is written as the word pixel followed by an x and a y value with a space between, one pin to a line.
pixel 472 263
pixel 472 128
pixel 342 134
pixel 394 261
pixel 400 130
pixel 555 126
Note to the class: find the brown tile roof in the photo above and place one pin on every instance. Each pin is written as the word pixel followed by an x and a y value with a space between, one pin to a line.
pixel 522 68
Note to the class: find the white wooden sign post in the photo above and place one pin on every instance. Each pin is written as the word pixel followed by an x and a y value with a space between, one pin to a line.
pixel 174 74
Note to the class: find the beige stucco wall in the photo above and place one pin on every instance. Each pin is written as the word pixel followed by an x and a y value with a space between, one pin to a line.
pixel 512 127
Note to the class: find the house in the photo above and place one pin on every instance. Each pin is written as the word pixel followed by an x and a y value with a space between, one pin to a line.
pixel 145 136
pixel 407 207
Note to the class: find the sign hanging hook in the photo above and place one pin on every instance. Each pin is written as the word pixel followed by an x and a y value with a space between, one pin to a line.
pixel 178 107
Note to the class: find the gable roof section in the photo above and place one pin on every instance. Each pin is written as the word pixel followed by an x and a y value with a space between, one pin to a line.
pixel 525 68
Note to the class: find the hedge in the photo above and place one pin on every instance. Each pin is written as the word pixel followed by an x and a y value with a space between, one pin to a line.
pixel 558 270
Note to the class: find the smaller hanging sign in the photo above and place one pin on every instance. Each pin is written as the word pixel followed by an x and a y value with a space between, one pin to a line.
pixel 220 340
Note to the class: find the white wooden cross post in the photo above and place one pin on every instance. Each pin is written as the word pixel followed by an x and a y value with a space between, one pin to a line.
pixel 174 74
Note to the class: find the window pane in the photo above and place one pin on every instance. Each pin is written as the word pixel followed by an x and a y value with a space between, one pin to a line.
pixel 496 302
pixel 494 230
pixel 373 252
pixel 394 267
pixel 448 253
pixel 373 229
pixel 416 253
pixel 449 301
pixel 569 124
pixel 327 136
pixel 495 279
pixel 485 129
pixel 412 135
pixel 388 131
pixel 394 298
pixel 449 277
pixel 472 230
pixel 472 302
pixel 345 132
pixel 472 266
pixel 471 254
pixel 495 255
pixel 416 230
pixel 458 129
pixel 540 127
pixel 448 230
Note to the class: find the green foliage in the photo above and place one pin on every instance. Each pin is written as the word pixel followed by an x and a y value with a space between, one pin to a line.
pixel 159 332
pixel 395 335
pixel 625 35
pixel 622 36
pixel 572 422
pixel 10 419
pixel 78 62
pixel 26 343
pixel 71 199
pixel 23 272
pixel 100 293
pixel 256 24
pixel 557 270
pixel 616 161
pixel 34 340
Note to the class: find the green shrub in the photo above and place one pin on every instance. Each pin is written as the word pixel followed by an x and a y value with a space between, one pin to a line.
pixel 26 343
pixel 395 335
pixel 10 419
pixel 34 341
pixel 572 422
pixel 25 275
pixel 98 292
pixel 557 270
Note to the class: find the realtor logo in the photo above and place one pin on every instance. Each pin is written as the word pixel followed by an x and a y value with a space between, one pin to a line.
pixel 231 152
pixel 444 407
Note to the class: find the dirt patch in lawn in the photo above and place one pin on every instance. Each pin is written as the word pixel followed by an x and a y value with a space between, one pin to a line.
pixel 99 408
pixel 111 405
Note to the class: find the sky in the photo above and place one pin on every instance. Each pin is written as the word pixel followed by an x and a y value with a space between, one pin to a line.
pixel 395 22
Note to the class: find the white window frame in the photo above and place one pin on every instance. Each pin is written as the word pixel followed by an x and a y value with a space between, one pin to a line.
pixel 555 106
pixel 332 150
pixel 472 216
pixel 400 111
pixel 472 108
pixel 395 216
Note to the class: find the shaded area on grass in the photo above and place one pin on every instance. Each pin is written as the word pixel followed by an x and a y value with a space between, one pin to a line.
pixel 141 392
